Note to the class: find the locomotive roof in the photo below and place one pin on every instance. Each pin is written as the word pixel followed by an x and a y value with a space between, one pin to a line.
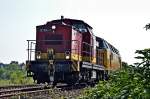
pixel 69 21
pixel 110 46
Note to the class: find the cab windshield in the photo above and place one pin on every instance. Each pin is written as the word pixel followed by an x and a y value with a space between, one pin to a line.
pixel 80 27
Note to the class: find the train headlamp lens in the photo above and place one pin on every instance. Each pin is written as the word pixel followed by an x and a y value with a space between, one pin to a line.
pixel 67 55
pixel 53 27
pixel 38 57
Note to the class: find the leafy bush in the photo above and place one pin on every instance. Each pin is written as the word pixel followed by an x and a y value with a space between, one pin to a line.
pixel 131 82
pixel 13 74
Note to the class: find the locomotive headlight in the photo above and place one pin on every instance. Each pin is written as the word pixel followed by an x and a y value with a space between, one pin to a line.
pixel 53 27
pixel 67 53
pixel 67 57
pixel 38 56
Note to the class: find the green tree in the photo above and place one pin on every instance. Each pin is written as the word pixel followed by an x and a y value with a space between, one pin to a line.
pixel 13 74
pixel 2 71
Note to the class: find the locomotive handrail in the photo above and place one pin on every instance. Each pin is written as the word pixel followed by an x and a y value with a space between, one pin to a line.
pixel 30 42
pixel 52 40
pixel 86 43
pixel 87 51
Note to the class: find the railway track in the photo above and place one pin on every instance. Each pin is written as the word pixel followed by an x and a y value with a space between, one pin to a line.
pixel 21 90
pixel 18 91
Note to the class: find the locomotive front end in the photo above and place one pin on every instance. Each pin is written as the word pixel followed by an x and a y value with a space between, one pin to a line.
pixel 53 54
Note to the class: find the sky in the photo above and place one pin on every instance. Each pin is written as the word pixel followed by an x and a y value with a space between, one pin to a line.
pixel 120 22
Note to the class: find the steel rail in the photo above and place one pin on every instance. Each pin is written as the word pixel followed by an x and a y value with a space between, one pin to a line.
pixel 9 91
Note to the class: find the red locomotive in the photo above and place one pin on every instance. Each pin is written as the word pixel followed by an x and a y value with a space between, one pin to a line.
pixel 67 51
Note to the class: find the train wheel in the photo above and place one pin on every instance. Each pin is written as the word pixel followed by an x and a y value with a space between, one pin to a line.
pixel 70 83
pixel 38 81
pixel 73 79
pixel 54 84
